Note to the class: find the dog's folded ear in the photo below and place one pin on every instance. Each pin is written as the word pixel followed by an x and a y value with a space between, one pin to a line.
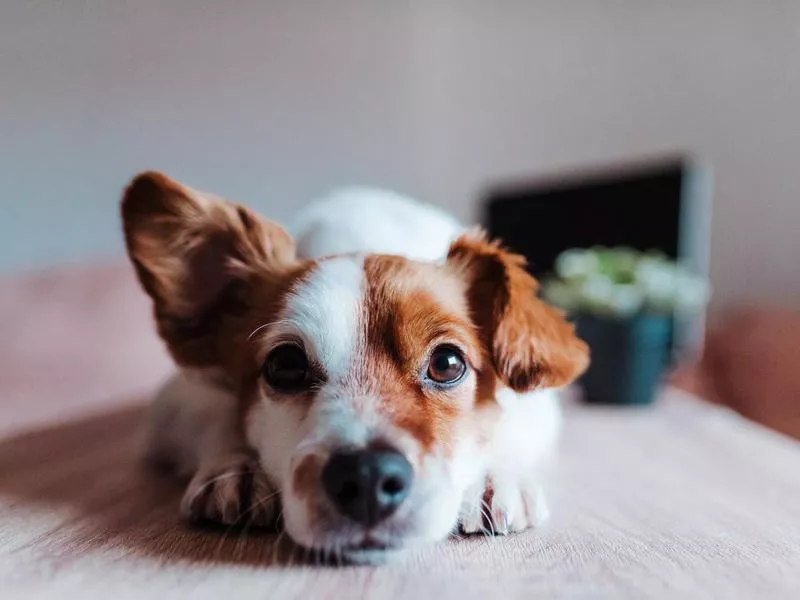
pixel 531 344
pixel 195 255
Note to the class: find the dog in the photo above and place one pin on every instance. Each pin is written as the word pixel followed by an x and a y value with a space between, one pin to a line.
pixel 385 381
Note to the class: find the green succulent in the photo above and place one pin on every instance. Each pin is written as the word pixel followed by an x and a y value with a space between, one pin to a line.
pixel 620 282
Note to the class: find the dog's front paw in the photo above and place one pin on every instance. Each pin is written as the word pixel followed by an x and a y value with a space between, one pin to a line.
pixel 503 506
pixel 234 490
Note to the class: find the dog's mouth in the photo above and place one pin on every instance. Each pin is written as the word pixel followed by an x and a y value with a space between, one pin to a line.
pixel 368 549
pixel 370 544
pixel 370 552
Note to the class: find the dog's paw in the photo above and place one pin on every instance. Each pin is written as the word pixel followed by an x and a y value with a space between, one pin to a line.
pixel 501 507
pixel 231 491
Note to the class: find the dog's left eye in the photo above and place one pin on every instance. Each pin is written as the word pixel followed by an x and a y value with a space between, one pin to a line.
pixel 446 365
pixel 287 369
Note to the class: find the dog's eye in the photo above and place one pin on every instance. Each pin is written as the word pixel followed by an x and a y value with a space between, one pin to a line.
pixel 446 365
pixel 287 369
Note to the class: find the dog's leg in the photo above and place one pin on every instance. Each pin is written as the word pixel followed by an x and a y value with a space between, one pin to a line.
pixel 503 505
pixel 511 495
pixel 194 429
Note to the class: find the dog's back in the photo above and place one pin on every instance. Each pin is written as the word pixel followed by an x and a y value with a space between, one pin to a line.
pixel 373 221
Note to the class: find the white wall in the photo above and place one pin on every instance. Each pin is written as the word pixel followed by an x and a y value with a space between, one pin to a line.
pixel 272 103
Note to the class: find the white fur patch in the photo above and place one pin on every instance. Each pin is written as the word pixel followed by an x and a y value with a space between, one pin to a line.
pixel 374 221
pixel 326 309
pixel 527 431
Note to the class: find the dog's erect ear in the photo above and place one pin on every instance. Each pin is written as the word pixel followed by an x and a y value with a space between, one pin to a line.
pixel 531 343
pixel 195 255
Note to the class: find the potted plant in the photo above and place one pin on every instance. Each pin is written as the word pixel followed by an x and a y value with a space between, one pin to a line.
pixel 624 303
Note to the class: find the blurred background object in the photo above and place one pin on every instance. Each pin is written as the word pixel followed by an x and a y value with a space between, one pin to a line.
pixel 274 103
pixel 661 206
pixel 643 300
pixel 626 303
pixel 750 364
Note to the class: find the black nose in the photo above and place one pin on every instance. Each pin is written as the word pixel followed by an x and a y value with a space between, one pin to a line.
pixel 367 485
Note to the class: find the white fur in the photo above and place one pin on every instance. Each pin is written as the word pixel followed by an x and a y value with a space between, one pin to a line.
pixel 375 221
pixel 185 410
pixel 523 442
pixel 193 428
pixel 322 313
pixel 325 310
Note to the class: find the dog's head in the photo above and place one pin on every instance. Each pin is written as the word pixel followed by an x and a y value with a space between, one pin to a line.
pixel 367 382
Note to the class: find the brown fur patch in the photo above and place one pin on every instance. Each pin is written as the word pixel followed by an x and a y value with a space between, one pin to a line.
pixel 215 272
pixel 306 476
pixel 410 308
pixel 531 344
pixel 200 258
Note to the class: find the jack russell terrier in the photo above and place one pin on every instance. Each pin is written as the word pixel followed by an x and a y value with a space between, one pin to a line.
pixel 384 379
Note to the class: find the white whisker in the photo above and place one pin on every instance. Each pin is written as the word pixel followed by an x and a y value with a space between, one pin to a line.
pixel 265 325
pixel 210 482
pixel 486 511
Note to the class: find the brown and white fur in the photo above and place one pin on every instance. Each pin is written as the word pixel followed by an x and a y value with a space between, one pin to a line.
pixel 229 287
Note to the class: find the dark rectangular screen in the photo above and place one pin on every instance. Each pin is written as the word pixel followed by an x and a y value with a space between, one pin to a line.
pixel 638 207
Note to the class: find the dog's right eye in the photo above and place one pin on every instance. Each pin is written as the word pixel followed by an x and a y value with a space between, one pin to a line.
pixel 287 369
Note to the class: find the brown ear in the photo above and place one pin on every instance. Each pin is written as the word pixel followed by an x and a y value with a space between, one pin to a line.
pixel 194 255
pixel 531 343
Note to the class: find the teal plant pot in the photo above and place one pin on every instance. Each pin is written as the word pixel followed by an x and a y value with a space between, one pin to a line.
pixel 628 358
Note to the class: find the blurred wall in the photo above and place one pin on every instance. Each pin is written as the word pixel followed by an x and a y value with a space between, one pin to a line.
pixel 273 103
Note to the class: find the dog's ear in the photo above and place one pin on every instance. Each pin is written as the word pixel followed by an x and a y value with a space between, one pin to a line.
pixel 531 344
pixel 195 255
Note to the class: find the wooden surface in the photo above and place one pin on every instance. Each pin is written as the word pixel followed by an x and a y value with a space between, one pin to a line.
pixel 682 500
